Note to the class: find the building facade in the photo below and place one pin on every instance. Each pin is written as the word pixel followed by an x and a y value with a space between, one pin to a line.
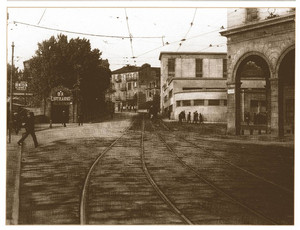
pixel 194 82
pixel 261 69
pixel 133 87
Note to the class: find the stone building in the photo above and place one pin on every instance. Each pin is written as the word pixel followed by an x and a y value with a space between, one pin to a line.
pixel 133 87
pixel 192 81
pixel 261 69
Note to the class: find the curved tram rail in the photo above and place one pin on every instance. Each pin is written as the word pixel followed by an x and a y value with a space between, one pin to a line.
pixel 155 186
pixel 166 200
pixel 87 178
pixel 221 191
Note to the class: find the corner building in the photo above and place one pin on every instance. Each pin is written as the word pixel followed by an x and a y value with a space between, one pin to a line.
pixel 261 69
pixel 194 81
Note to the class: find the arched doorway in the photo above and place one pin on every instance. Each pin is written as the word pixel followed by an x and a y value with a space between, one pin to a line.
pixel 286 94
pixel 252 93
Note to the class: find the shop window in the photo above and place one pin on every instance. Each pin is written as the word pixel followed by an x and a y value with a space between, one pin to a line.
pixel 214 102
pixel 199 67
pixel 198 102
pixel 186 103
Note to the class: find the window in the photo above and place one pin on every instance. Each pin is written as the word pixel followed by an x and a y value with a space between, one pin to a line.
pixel 199 67
pixel 198 102
pixel 214 102
pixel 186 103
pixel 171 67
pixel 171 93
pixel 166 98
pixel 224 68
pixel 178 103
pixel 129 86
pixel 251 14
pixel 150 94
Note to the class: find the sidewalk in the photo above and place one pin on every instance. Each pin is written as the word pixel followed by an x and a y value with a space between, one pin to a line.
pixel 57 132
pixel 219 134
pixel 13 163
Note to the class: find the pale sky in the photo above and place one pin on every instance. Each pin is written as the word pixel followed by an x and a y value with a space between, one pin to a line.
pixel 162 25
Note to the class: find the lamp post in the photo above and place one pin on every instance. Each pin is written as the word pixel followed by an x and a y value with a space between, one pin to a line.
pixel 11 93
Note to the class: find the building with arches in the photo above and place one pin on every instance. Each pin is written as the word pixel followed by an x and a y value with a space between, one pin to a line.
pixel 261 69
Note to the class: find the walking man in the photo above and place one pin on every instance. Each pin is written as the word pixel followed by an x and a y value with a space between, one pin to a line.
pixel 29 127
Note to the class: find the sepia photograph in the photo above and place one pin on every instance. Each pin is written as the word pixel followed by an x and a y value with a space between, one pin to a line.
pixel 150 116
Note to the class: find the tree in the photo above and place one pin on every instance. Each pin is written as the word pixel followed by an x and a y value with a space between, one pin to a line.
pixel 71 64
pixel 17 74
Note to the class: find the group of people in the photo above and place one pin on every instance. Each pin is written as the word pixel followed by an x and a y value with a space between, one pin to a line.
pixel 198 117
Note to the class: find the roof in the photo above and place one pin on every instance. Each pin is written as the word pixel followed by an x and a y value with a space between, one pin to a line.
pixel 130 68
pixel 191 53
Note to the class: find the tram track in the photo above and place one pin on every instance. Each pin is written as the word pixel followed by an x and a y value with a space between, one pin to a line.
pixel 82 209
pixel 211 184
pixel 289 191
pixel 160 194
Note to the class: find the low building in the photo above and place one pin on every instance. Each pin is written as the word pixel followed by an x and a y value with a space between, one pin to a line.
pixel 194 81
pixel 261 69
pixel 133 87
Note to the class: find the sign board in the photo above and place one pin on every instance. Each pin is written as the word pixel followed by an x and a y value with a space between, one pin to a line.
pixel 230 91
pixel 60 97
pixel 21 85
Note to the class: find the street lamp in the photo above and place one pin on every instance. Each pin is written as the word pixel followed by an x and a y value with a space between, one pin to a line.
pixel 11 93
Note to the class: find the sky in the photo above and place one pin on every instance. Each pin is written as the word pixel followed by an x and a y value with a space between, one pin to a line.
pixel 152 30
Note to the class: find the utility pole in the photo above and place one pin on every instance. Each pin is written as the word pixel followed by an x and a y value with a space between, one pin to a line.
pixel 11 93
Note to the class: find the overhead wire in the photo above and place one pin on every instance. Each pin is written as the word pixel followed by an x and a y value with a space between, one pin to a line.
pixel 42 16
pixel 191 25
pixel 130 35
pixel 81 33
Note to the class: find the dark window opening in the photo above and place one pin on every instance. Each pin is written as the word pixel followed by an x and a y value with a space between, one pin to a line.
pixel 214 102
pixel 199 67
pixel 198 102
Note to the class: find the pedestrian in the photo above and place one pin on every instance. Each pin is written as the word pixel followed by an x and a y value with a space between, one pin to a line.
pixel 200 118
pixel 80 119
pixel 195 117
pixel 16 122
pixel 189 117
pixel 64 118
pixel 183 116
pixel 29 127
pixel 180 117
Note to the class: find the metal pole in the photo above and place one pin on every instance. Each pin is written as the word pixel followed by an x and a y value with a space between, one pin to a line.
pixel 11 93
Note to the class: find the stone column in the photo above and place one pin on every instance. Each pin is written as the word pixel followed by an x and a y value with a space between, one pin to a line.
pixel 231 108
pixel 274 106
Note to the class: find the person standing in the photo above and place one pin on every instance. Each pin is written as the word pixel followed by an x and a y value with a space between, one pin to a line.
pixel 195 117
pixel 29 127
pixel 64 118
pixel 80 119
pixel 189 117
pixel 200 118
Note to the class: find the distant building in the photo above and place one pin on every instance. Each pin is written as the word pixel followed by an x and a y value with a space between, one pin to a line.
pixel 134 87
pixel 192 82
pixel 261 68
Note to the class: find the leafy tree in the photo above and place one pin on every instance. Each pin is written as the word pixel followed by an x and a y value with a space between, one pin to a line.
pixel 71 64
pixel 17 75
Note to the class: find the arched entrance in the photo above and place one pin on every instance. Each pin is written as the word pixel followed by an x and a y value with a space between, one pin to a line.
pixel 286 94
pixel 252 94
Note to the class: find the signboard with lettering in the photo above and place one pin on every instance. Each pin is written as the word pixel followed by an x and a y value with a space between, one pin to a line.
pixel 61 95
pixel 21 85
pixel 230 91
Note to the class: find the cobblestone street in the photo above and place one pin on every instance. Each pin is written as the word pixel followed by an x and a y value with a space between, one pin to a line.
pixel 131 170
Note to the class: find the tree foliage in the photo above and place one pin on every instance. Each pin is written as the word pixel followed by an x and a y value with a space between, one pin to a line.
pixel 17 74
pixel 71 64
